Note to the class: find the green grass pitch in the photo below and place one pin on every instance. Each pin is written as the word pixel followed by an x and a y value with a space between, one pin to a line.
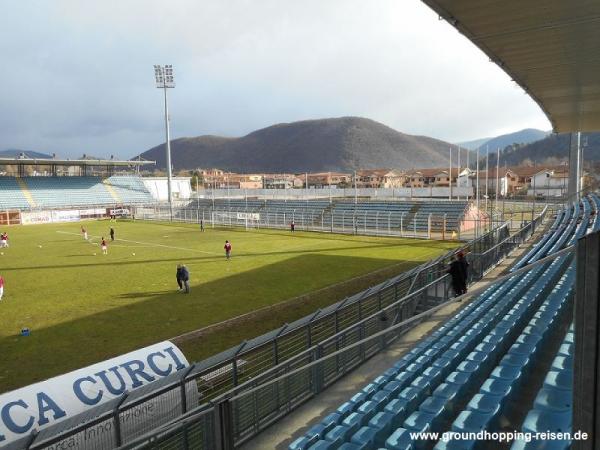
pixel 83 307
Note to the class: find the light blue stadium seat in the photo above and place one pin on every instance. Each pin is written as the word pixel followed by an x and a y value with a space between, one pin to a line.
pixel 486 404
pixel 400 440
pixel 398 408
pixel 561 380
pixel 355 420
pixel 554 400
pixel 339 434
pixel 471 422
pixel 540 445
pixel 455 445
pixel 368 409
pixel 384 423
pixel 303 443
pixel 325 445
pixel 367 438
pixel 541 421
pixel 497 387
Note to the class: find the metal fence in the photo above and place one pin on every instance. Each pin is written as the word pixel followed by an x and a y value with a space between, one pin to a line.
pixel 272 355
pixel 445 225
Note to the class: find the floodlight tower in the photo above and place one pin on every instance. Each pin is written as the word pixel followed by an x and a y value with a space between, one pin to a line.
pixel 164 80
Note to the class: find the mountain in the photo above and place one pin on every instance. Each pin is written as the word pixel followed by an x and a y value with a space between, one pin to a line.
pixel 473 145
pixel 552 149
pixel 13 153
pixel 345 143
pixel 525 136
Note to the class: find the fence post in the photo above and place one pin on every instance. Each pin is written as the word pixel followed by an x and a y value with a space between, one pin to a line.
pixel 309 328
pixel 429 226
pixel 234 367
pixel 183 393
pixel 223 426
pixel 401 224
pixel 415 224
pixel 317 371
pixel 444 228
pixel 117 419
pixel 276 345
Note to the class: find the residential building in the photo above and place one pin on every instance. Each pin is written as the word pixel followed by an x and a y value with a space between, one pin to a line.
pixel 379 178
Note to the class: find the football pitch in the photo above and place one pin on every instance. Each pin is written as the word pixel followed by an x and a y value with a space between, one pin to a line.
pixel 83 307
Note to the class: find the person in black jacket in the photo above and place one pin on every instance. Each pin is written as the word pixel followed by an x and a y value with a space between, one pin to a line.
pixel 464 267
pixel 185 278
pixel 459 272
pixel 179 277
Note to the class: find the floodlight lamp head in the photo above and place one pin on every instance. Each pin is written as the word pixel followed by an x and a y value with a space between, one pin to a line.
pixel 164 76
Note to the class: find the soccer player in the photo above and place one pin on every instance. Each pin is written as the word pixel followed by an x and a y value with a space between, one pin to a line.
pixel 1 287
pixel 185 278
pixel 292 226
pixel 112 234
pixel 227 248
pixel 201 225
pixel 103 246
pixel 4 240
pixel 84 233
pixel 178 275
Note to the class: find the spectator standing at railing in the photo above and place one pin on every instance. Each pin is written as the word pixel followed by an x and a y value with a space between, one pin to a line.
pixel 292 226
pixel 459 271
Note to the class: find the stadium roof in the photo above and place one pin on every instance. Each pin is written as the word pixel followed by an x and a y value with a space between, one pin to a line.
pixel 551 48
pixel 72 162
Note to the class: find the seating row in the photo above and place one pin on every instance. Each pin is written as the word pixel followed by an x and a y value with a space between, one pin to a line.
pixel 463 375
pixel 552 408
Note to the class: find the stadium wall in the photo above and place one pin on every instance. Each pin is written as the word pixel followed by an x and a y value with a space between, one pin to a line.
pixel 181 188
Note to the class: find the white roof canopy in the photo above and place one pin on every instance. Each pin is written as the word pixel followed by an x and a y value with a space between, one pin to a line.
pixel 549 47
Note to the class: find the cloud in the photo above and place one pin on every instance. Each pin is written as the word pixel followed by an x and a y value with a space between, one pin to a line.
pixel 80 78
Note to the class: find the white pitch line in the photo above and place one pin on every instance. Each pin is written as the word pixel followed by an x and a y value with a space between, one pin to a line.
pixel 150 244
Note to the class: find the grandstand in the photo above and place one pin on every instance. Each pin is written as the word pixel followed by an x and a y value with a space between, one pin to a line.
pixel 470 374
pixel 341 215
pixel 58 192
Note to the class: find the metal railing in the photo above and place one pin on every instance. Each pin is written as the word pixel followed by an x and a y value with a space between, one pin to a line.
pixel 447 225
pixel 272 355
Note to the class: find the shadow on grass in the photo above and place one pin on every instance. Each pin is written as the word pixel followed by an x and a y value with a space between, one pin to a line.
pixel 157 315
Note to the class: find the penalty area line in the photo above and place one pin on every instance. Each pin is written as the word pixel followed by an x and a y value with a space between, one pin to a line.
pixel 149 244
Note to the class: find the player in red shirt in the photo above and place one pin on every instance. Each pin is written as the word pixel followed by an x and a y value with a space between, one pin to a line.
pixel 4 240
pixel 103 246
pixel 227 248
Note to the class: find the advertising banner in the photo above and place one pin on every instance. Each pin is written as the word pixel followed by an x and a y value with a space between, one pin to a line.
pixel 65 216
pixel 30 218
pixel 43 404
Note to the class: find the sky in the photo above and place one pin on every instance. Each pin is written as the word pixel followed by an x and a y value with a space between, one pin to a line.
pixel 78 75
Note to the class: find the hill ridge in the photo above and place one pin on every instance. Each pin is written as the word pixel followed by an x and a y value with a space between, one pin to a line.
pixel 329 144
